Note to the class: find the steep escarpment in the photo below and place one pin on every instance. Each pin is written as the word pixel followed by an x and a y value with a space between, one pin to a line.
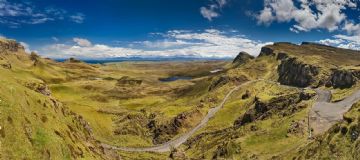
pixel 293 72
pixel 313 64
pixel 343 78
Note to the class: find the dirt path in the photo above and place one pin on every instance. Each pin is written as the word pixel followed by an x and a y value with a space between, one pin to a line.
pixel 324 114
pixel 166 147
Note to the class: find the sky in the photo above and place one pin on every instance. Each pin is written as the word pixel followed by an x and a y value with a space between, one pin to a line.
pixel 94 29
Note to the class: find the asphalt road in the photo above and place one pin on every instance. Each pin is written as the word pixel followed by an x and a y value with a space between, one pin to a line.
pixel 166 147
pixel 324 114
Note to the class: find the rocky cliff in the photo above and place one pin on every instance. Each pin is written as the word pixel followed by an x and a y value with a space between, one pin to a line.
pixel 342 78
pixel 296 73
pixel 242 57
pixel 10 46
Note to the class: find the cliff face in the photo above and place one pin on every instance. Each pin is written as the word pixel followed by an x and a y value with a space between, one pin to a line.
pixel 295 73
pixel 266 51
pixel 342 78
pixel 10 45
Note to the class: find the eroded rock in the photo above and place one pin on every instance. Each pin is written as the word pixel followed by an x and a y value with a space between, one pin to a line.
pixel 242 57
pixel 10 45
pixel 295 73
pixel 342 79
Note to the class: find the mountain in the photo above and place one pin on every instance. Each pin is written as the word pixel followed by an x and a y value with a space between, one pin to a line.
pixel 290 102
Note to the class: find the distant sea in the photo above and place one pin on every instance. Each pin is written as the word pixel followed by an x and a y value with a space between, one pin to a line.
pixel 138 59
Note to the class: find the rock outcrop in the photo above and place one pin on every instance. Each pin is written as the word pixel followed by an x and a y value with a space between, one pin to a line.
pixel 6 65
pixel 242 57
pixel 39 87
pixel 164 133
pixel 342 78
pixel 10 45
pixel 296 73
pixel 266 51
pixel 282 105
pixel 128 81
pixel 222 80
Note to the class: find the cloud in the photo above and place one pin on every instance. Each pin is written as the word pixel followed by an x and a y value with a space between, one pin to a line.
pixel 212 11
pixel 26 46
pixel 208 13
pixel 2 36
pixel 307 14
pixel 15 14
pixel 78 18
pixel 82 42
pixel 55 39
pixel 203 44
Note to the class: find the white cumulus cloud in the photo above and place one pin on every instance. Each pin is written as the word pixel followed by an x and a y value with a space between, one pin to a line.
pixel 212 11
pixel 308 14
pixel 209 43
pixel 82 42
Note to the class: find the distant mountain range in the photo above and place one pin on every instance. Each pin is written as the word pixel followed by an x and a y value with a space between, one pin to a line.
pixel 153 58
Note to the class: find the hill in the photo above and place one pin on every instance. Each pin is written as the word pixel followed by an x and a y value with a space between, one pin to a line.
pixel 250 108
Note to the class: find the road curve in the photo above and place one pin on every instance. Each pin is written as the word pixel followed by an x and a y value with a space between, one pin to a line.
pixel 325 114
pixel 166 147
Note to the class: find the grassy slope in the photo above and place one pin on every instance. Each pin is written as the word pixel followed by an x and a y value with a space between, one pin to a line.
pixel 35 126
pixel 88 89
pixel 340 142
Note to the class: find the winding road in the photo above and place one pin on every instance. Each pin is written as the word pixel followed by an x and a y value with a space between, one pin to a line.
pixel 323 115
pixel 166 147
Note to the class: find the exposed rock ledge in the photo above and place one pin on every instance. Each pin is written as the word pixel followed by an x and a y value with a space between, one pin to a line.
pixel 343 78
pixel 293 72
pixel 10 45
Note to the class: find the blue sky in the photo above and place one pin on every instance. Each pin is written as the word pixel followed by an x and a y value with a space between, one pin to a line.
pixel 196 28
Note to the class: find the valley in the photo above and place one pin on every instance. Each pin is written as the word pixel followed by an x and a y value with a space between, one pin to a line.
pixel 284 104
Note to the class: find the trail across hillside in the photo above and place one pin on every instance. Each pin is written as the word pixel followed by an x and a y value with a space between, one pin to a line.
pixel 324 114
pixel 165 147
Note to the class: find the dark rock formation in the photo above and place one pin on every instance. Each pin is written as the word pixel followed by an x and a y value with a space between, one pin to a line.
pixel 128 81
pixel 246 95
pixel 165 132
pixel 219 82
pixel 282 105
pixel 281 56
pixel 73 60
pixel 342 79
pixel 242 57
pixel 295 73
pixel 39 87
pixel 10 45
pixel 266 51
pixel 226 149
pixel 222 80
pixel 6 65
